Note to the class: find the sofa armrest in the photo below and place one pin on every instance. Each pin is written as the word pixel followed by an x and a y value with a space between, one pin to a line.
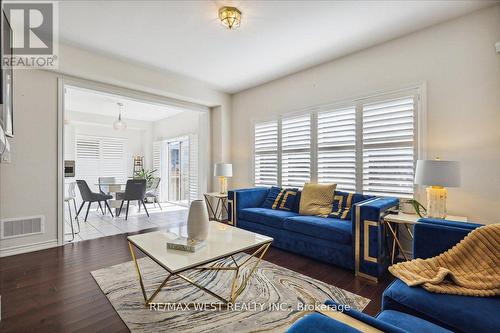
pixel 244 198
pixel 434 236
pixel 371 255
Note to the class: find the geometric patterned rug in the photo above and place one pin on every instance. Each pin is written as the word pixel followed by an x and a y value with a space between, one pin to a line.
pixel 274 298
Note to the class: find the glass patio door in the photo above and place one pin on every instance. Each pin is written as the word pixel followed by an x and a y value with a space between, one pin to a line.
pixel 178 171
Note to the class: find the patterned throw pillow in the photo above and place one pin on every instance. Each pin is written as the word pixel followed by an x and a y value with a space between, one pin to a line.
pixel 342 203
pixel 282 199
pixel 317 199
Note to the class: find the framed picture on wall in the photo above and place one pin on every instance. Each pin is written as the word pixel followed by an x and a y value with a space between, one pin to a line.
pixel 7 79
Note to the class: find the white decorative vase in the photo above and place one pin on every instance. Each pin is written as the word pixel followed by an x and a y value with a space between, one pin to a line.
pixel 197 224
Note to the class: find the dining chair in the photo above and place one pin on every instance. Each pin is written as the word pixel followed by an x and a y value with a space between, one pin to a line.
pixel 90 197
pixel 72 197
pixel 152 191
pixel 134 190
pixel 104 189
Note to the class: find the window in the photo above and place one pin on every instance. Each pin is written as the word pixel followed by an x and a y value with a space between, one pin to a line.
pixel 266 153
pixel 295 151
pixel 337 148
pixel 388 148
pixel 367 147
pixel 189 189
pixel 100 157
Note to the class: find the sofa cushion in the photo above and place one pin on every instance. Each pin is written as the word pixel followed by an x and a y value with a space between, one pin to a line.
pixel 410 323
pixel 271 197
pixel 282 199
pixel 320 227
pixel 343 202
pixel 458 313
pixel 266 216
pixel 316 199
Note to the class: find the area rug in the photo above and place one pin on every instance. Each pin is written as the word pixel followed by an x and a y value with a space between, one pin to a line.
pixel 274 298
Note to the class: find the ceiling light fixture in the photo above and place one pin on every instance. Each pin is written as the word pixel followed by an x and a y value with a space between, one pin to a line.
pixel 230 17
pixel 119 124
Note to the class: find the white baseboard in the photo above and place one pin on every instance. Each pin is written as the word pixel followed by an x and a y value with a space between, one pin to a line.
pixel 13 250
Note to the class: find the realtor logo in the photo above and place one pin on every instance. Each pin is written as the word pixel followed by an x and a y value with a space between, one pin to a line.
pixel 30 34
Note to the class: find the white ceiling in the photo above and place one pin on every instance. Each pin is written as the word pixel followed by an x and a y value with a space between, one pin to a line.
pixel 276 38
pixel 104 104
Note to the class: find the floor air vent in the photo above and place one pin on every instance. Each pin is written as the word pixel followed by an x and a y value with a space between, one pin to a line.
pixel 22 226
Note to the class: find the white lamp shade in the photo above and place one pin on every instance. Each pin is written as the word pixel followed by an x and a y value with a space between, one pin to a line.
pixel 437 173
pixel 223 170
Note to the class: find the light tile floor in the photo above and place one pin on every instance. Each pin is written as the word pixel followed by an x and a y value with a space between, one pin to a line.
pixel 99 225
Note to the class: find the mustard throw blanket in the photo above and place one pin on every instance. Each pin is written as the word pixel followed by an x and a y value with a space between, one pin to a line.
pixel 470 268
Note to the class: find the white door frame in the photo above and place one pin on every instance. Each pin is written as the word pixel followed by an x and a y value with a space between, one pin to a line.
pixel 64 81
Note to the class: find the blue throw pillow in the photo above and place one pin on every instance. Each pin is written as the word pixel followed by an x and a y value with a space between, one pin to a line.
pixel 343 202
pixel 271 197
pixel 283 199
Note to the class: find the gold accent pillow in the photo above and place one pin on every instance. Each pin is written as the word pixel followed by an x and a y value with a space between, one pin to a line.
pixel 317 199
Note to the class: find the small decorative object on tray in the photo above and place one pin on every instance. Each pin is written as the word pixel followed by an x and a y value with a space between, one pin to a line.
pixel 185 244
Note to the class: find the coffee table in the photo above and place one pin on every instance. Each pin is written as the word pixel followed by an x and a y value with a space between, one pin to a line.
pixel 224 241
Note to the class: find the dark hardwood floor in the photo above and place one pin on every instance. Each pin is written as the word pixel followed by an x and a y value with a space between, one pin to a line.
pixel 52 290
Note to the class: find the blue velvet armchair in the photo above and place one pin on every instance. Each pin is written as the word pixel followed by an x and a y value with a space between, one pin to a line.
pixel 413 309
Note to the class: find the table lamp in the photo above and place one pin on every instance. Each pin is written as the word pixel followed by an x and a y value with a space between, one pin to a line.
pixel 436 175
pixel 223 170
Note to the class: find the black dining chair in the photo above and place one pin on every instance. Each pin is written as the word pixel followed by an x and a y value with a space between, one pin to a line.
pixel 90 197
pixel 134 190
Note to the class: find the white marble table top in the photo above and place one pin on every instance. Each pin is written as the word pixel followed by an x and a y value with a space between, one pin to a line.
pixel 223 241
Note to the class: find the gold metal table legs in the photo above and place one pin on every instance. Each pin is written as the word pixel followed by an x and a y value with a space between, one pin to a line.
pixel 236 289
pixel 395 239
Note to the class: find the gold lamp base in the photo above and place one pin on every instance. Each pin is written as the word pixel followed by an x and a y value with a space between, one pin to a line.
pixel 223 185
pixel 436 202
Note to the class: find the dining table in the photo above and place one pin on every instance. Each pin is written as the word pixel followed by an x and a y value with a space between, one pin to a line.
pixel 113 189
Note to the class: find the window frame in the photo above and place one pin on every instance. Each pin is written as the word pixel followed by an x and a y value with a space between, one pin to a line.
pixel 418 91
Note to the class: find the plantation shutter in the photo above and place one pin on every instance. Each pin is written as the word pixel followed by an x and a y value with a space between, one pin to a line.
pixel 100 157
pixel 389 147
pixel 266 154
pixel 296 151
pixel 337 148
pixel 87 164
pixel 157 157
pixel 114 159
pixel 193 167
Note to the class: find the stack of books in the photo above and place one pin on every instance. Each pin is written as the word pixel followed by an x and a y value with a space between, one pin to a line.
pixel 185 244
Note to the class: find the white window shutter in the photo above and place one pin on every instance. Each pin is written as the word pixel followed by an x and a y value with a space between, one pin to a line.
pixel 296 151
pixel 388 147
pixel 100 157
pixel 114 159
pixel 157 157
pixel 266 154
pixel 337 148
pixel 87 164
pixel 193 168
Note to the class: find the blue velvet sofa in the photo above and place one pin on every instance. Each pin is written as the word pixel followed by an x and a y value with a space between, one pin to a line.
pixel 359 244
pixel 413 309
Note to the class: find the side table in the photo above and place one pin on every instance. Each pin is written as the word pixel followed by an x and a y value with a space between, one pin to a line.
pixel 408 221
pixel 221 206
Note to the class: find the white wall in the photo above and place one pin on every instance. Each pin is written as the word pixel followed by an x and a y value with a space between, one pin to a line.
pixel 456 59
pixel 29 183
pixel 178 125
